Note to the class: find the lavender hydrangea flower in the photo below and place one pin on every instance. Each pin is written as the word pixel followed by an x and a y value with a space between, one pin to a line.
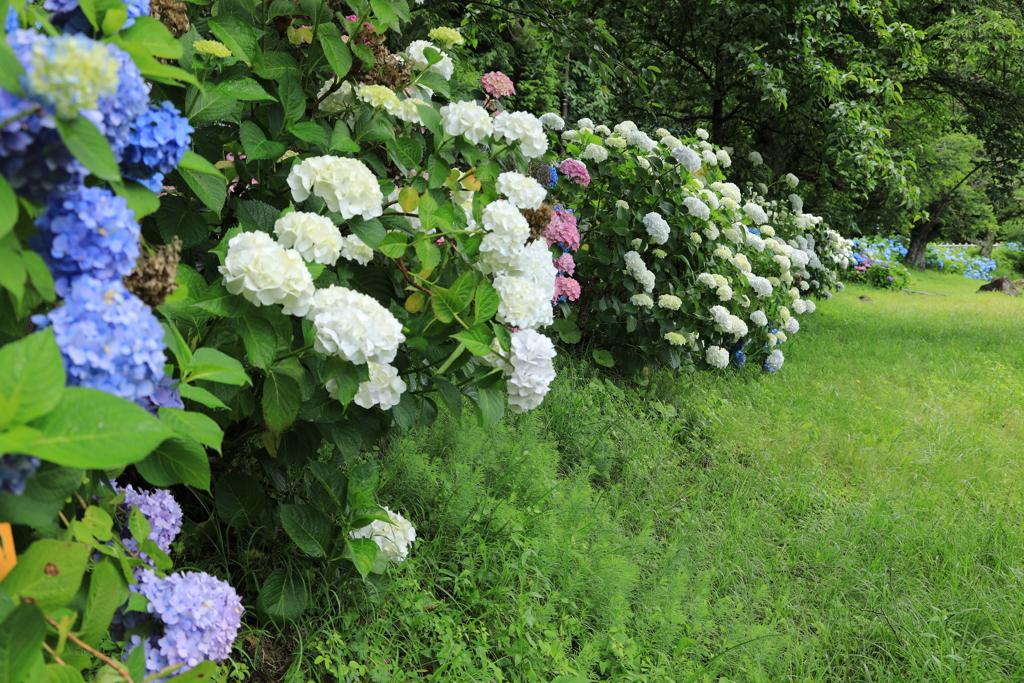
pixel 197 618
pixel 130 102
pixel 15 471
pixel 109 339
pixel 162 512
pixel 157 142
pixel 87 231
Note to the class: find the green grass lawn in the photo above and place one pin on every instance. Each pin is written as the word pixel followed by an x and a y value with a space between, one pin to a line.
pixel 855 517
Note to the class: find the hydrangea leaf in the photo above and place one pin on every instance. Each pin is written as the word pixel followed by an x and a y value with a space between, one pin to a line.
pixel 11 70
pixel 371 232
pixel 214 366
pixel 256 144
pixel 107 591
pixel 289 92
pixel 489 404
pixel 337 53
pixel 89 146
pixel 486 302
pixel 259 338
pixel 282 596
pixel 238 36
pixel 96 430
pixel 239 499
pixel 333 481
pixel 477 340
pixel 21 639
pixel 394 244
pixel 281 400
pixel 205 180
pixel 245 90
pixel 201 396
pixel 8 207
pixel 308 528
pixel 450 395
pixel 45 493
pixel 362 553
pixel 362 485
pixel 49 572
pixel 195 426
pixel 151 34
pixel 177 461
pixel 31 378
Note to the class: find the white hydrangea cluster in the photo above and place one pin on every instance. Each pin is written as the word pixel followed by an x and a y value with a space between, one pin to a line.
pixel 507 232
pixel 761 285
pixel 384 388
pixel 552 121
pixel 315 237
pixel 741 262
pixel 716 357
pixel 799 306
pixel 642 300
pixel 354 249
pixel 640 139
pixel 336 102
pixel 525 128
pixel 792 326
pixel 394 538
pixel 792 181
pixel 775 360
pixel 657 227
pixel 724 160
pixel 697 208
pixel 687 158
pixel 711 232
pixel 585 123
pixel 354 326
pixel 759 318
pixel 346 185
pixel 810 305
pixel 522 191
pixel 532 356
pixel 616 142
pixel 468 119
pixel 526 288
pixel 755 213
pixel 639 272
pixel 670 302
pixel 417 59
pixel 733 234
pixel 265 273
pixel 594 152
pixel 727 323
pixel 755 159
pixel 669 141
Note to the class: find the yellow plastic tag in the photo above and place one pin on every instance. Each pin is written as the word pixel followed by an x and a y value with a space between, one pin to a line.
pixel 8 556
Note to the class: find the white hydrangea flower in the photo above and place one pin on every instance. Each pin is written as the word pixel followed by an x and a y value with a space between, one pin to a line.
pixel 733 234
pixel 723 252
pixel 741 262
pixel 615 142
pixel 638 244
pixel 780 335
pixel 657 228
pixel 674 338
pixel 392 538
pixel 827 294
pixel 661 132
pixel 710 198
pixel 570 136
pixel 384 388
pixel 755 241
pixel 625 128
pixel 716 357
pixel 532 356
pixel 783 262
pixel 737 327
pixel 524 127
pixel 468 119
pixel 408 112
pixel 585 123
pixel 338 101
pixel 507 232
pixel 418 60
pixel 720 280
pixel 689 159
pixel 523 303
pixel 709 157
pixel 759 318
pixel 315 237
pixel 642 300
pixel 354 249
pixel 799 307
pixel 792 181
pixel 695 237
pixel 728 190
pixel 755 159
pixel 670 142
pixel 346 185
pixel 810 305
pixel 643 163
pixel 638 270
pixel 804 286
pixel 723 158
pixel 379 97
pixel 670 302
pixel 702 134
pixel 354 326
pixel 641 140
pixel 522 191
pixel 755 213
pixel 762 188
pixel 792 325
pixel 711 231
pixel 595 153
pixel 775 360
pixel 697 208
pixel 724 293
pixel 761 286
pixel 620 204
pixel 552 121
pixel 794 293
pixel 265 273
pixel 708 280
pixel 797 202
pixel 603 130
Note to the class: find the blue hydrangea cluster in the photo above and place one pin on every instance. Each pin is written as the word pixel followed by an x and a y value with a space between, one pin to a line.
pixel 554 177
pixel 33 158
pixel 949 259
pixel 121 108
pixel 11 21
pixel 109 339
pixel 158 140
pixel 87 231
pixel 15 471
pixel 162 512
pixel 68 14
pixel 196 618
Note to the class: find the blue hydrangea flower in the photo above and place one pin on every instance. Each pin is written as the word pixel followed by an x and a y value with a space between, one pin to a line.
pixel 165 395
pixel 154 184
pixel 196 618
pixel 67 73
pixel 162 512
pixel 124 106
pixel 769 368
pixel 554 177
pixel 109 339
pixel 87 231
pixel 11 21
pixel 158 140
pixel 15 471
pixel 739 359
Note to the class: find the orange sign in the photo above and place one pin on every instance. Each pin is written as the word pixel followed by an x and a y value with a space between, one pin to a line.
pixel 8 557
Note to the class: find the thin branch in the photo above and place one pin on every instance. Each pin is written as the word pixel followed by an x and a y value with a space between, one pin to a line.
pixel 408 278
pixel 112 663
pixel 886 617
pixel 49 651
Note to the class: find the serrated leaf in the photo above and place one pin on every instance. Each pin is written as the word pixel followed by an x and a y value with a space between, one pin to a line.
pixel 603 357
pixel 408 152
pixel 84 140
pixel 308 528
pixel 348 377
pixel 281 400
pixel 450 395
pixel 362 553
pixel 49 572
pixel 245 89
pixel 177 461
pixel 200 395
pixel 31 378
pixel 239 498
pixel 371 232
pixel 477 340
pixel 394 244
pixel 428 254
pixel 256 144
pixel 282 596
pixel 486 301
pixel 205 180
pixel 239 36
pixel 337 53
pixel 259 338
pixel 567 331
pixel 446 304
pixel 8 207
pixel 195 426
pixel 289 91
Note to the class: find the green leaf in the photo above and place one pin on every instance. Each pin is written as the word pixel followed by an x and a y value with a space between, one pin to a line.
pixel 39 275
pixel 259 338
pixel 45 493
pixel 333 481
pixel 309 131
pixel 446 303
pixel 363 480
pixel 365 516
pixel 113 20
pixel 107 591
pixel 451 396
pixel 256 215
pixel 371 232
pixel 341 139
pixel 435 82
pixel 239 499
pixel 255 142
pixel 317 11
pixel 489 405
pixel 205 180
pixel 308 528
pixel 200 395
pixel 84 140
pixel 239 36
pixel 394 244
pixel 177 461
pixel 195 426
pixel 376 129
pixel 140 199
pixel 208 106
pixel 603 357
pixel 428 253
pixel 12 271
pixel 203 672
pixel 282 597
pixel 406 151
pixel 567 330
pixel 58 673
pixel 245 89
pixel 477 340
pixel 362 553
pixel 219 301
pixel 215 366
pixel 8 208
pixel 138 525
pixel 11 70
pixel 275 66
pixel 289 91
pixel 348 377
pixel 431 118
pixel 21 642
pixel 175 219
pixel 31 378
pixel 49 572
pixel 281 400
pixel 149 33
pixel 337 53
pixel 92 429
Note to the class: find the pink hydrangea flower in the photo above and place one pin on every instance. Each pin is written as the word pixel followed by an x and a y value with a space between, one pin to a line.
pixel 566 264
pixel 576 170
pixel 497 84
pixel 566 287
pixel 562 230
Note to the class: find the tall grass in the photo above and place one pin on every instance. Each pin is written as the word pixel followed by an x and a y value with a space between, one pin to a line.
pixel 854 517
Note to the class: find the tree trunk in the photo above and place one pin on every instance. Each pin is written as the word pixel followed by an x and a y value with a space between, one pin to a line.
pixel 920 236
pixel 988 243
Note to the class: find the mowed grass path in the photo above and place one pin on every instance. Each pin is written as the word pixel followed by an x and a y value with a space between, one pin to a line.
pixel 882 534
